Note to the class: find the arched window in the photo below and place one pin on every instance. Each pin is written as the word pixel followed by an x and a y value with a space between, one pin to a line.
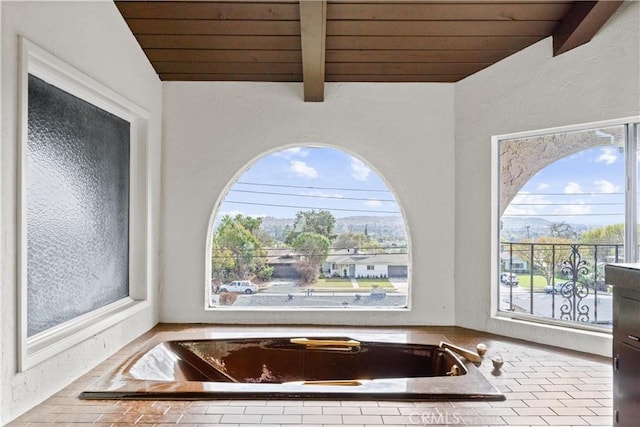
pixel 567 206
pixel 309 228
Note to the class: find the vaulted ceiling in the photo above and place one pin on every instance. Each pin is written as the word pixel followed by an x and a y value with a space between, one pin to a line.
pixel 314 41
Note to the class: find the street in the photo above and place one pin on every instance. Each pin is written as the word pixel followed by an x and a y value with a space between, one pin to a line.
pixel 283 293
pixel 599 311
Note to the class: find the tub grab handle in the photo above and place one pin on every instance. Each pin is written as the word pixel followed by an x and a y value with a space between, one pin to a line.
pixel 327 343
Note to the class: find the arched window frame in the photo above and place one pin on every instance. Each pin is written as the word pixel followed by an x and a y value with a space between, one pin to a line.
pixel 236 177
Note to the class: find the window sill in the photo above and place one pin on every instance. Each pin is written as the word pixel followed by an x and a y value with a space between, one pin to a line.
pixel 591 340
pixel 307 309
pixel 45 345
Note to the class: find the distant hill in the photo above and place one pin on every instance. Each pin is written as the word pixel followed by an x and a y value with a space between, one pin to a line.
pixel 384 228
pixel 517 229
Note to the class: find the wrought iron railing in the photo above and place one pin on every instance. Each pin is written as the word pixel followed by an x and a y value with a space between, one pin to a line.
pixel 572 287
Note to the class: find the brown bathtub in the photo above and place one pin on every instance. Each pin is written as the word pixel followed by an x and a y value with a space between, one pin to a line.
pixel 293 367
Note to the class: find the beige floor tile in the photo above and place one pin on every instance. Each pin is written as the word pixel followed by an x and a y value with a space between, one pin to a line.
pixel 543 386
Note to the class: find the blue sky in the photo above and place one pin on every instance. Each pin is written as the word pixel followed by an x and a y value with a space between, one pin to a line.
pixel 301 178
pixel 584 188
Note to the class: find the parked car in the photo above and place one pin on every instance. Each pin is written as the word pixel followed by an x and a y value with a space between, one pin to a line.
pixel 556 289
pixel 510 279
pixel 239 286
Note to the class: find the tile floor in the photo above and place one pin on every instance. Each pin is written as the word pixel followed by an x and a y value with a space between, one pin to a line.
pixel 543 385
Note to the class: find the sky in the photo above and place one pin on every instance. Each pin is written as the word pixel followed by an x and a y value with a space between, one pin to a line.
pixel 584 188
pixel 302 178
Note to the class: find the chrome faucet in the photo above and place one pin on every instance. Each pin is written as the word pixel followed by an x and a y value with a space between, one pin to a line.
pixel 467 354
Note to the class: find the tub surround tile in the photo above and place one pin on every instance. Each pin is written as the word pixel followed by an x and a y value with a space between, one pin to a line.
pixel 362 419
pixel 341 410
pixel 240 419
pixel 302 410
pixel 574 411
pixel 598 421
pixel 281 419
pixel 543 386
pixel 321 419
pixel 200 418
pixel 371 410
pixel 534 411
pixel 525 420
pixel 225 410
pixel 264 410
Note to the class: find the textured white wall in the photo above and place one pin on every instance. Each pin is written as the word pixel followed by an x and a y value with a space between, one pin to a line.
pixel 527 91
pixel 93 37
pixel 1 228
pixel 213 131
pixel 436 158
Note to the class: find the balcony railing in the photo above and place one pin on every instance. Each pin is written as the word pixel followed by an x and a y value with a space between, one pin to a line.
pixel 561 281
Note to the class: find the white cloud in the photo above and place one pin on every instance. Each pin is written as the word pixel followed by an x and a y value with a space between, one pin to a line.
pixel 290 153
pixel 301 169
pixel 322 194
pixel 359 171
pixel 527 204
pixel 542 187
pixel 373 203
pixel 604 186
pixel 573 188
pixel 578 207
pixel 607 156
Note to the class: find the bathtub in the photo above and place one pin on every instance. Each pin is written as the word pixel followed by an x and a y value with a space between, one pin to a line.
pixel 284 367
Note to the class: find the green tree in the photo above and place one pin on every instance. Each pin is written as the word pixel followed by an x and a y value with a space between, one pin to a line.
pixel 266 240
pixel 610 234
pixel 608 238
pixel 562 230
pixel 250 223
pixel 313 249
pixel 237 251
pixel 265 273
pixel 319 222
pixel 548 254
pixel 360 241
pixel 349 240
pixel 223 262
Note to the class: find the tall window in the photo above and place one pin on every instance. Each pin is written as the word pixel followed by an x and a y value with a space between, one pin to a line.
pixel 311 228
pixel 565 210
pixel 77 213
pixel 82 246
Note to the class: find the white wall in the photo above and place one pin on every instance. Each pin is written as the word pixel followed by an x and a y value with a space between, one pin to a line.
pixel 532 90
pixel 436 158
pixel 1 226
pixel 379 270
pixel 213 131
pixel 93 37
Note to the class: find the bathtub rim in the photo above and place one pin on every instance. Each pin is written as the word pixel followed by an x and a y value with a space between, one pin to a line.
pixel 115 384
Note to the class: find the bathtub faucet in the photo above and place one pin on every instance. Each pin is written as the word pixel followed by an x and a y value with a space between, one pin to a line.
pixel 467 354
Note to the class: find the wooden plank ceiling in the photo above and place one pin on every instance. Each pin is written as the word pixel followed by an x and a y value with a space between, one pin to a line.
pixel 375 41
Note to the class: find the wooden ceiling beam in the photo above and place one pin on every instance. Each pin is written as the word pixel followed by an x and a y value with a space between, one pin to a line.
pixel 581 23
pixel 313 32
